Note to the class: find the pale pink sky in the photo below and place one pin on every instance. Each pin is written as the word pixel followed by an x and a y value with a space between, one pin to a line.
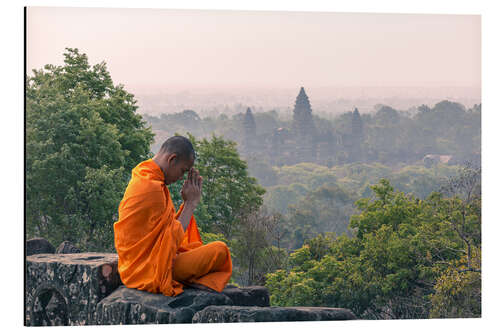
pixel 168 49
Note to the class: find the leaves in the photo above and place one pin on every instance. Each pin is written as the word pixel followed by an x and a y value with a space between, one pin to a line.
pixel 458 289
pixel 408 260
pixel 229 193
pixel 83 138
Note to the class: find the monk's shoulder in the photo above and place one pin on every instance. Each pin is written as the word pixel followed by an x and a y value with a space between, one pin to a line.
pixel 139 185
pixel 146 192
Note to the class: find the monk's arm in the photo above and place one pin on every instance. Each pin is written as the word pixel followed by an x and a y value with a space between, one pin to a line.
pixel 186 214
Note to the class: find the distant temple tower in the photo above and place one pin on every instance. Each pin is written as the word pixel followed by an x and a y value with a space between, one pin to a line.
pixel 303 126
pixel 356 137
pixel 302 114
pixel 249 124
pixel 357 124
pixel 250 131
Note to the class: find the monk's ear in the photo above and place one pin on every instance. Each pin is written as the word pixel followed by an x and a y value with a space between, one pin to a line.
pixel 172 158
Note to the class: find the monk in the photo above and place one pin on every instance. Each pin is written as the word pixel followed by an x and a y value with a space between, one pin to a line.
pixel 160 250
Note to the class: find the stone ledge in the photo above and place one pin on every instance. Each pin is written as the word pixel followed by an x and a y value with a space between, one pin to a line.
pixel 236 314
pixel 131 306
pixel 247 296
pixel 64 289
pixel 85 289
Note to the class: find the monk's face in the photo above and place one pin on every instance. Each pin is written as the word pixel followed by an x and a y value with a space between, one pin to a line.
pixel 176 169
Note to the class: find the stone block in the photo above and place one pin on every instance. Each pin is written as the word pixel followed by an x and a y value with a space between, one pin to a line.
pixel 248 296
pixel 236 314
pixel 131 306
pixel 38 245
pixel 67 247
pixel 64 289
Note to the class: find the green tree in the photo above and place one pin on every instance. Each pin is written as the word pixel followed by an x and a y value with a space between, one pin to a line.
pixel 229 193
pixel 326 209
pixel 261 170
pixel 83 137
pixel 278 198
pixel 257 248
pixel 458 289
pixel 247 248
pixel 402 263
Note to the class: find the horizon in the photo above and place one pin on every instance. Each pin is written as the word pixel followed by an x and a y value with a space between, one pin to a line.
pixel 330 101
pixel 155 51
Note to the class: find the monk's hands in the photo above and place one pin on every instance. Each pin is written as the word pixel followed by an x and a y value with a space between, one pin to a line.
pixel 191 194
pixel 191 189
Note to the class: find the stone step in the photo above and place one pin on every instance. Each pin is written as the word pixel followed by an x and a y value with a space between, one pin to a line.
pixel 247 296
pixel 237 314
pixel 131 306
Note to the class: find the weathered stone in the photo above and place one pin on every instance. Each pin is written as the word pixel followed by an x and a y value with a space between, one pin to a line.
pixel 235 314
pixel 64 289
pixel 131 306
pixel 248 296
pixel 67 247
pixel 84 289
pixel 38 245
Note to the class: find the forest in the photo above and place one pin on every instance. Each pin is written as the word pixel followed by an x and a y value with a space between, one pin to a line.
pixel 377 212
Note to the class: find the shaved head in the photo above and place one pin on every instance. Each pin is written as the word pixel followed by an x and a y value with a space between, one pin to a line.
pixel 180 146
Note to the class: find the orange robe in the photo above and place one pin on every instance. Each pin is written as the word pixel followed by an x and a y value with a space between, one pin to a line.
pixel 151 242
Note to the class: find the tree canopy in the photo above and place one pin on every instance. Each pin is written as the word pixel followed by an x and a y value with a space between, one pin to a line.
pixel 229 193
pixel 410 258
pixel 83 137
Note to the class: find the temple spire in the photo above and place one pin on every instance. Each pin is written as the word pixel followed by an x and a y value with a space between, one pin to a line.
pixel 304 128
pixel 249 124
pixel 302 114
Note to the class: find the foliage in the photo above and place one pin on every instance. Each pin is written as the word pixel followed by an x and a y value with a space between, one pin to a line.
pixel 309 174
pixel 259 168
pixel 299 182
pixel 392 268
pixel 458 289
pixel 83 137
pixel 278 198
pixel 257 247
pixel 247 247
pixel 326 209
pixel 208 237
pixel 229 193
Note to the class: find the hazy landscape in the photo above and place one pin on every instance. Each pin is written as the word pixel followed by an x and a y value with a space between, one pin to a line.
pixel 328 102
pixel 341 153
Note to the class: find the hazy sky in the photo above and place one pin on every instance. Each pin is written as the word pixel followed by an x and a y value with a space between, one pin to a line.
pixel 177 49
